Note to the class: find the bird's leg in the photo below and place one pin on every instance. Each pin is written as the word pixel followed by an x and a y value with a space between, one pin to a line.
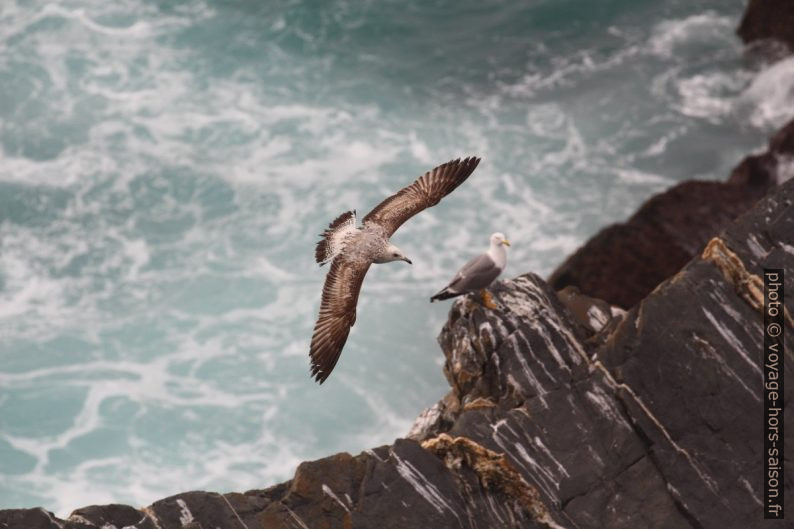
pixel 487 299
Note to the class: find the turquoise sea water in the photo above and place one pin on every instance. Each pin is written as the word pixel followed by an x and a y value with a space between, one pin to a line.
pixel 165 168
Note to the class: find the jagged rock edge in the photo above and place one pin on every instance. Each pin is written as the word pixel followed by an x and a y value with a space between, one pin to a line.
pixel 748 286
pixel 494 472
pixel 619 390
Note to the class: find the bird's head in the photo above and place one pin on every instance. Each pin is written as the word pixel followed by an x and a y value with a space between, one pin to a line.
pixel 392 253
pixel 498 239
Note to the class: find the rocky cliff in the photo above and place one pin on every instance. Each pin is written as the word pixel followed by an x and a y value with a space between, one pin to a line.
pixel 652 422
pixel 624 262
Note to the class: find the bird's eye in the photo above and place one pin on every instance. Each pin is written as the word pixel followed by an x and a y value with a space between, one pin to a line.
pixel 394 255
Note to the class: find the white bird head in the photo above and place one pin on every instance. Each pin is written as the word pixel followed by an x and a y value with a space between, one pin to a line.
pixel 498 239
pixel 392 253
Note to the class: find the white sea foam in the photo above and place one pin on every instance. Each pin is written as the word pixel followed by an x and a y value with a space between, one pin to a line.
pixel 157 276
pixel 708 95
pixel 771 95
pixel 785 168
pixel 640 177
pixel 705 27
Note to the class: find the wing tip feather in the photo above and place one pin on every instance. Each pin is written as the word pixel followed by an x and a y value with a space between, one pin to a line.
pixel 426 191
pixel 337 316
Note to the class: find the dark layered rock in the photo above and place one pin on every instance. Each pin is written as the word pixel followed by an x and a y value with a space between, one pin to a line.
pixel 624 262
pixel 773 166
pixel 29 519
pixel 591 313
pixel 768 19
pixel 656 425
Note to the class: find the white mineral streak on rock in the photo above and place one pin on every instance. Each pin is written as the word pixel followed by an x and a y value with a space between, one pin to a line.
pixel 540 326
pixel 148 512
pixel 540 471
pixel 530 376
pixel 729 337
pixel 231 508
pixel 501 328
pixel 422 485
pixel 755 247
pixel 327 490
pixel 486 330
pixel 712 354
pixel 185 516
pixel 677 495
pixel 494 508
pixel 606 405
pixel 539 443
pixel 753 494
pixel 507 427
pixel 570 339
pixel 552 320
pixel 596 318
pixel 701 472
pixel 542 476
pixel 73 518
pixel 617 311
pixel 723 303
pixel 521 307
pixel 539 360
pixel 518 389
pixel 373 454
pixel 497 364
pixel 547 519
pixel 528 305
pixel 595 455
pixel 297 518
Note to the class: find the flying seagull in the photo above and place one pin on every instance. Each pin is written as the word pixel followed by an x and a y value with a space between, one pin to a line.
pixel 478 273
pixel 351 250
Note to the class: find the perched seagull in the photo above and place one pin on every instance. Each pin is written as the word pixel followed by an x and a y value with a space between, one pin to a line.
pixel 478 273
pixel 352 249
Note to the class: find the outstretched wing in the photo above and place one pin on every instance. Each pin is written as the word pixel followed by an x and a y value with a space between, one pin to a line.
pixel 337 314
pixel 427 191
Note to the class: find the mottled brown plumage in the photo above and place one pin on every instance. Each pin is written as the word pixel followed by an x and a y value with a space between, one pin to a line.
pixel 325 248
pixel 425 192
pixel 352 250
pixel 337 314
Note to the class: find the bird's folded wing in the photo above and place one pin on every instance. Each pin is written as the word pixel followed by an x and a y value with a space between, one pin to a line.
pixel 337 314
pixel 479 272
pixel 425 192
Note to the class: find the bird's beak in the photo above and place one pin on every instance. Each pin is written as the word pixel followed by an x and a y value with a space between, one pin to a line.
pixel 506 242
pixel 407 260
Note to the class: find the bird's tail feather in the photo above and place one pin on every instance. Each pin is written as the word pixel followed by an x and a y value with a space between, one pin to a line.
pixel 333 238
pixel 444 293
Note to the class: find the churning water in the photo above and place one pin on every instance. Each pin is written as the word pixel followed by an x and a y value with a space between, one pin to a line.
pixel 165 168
